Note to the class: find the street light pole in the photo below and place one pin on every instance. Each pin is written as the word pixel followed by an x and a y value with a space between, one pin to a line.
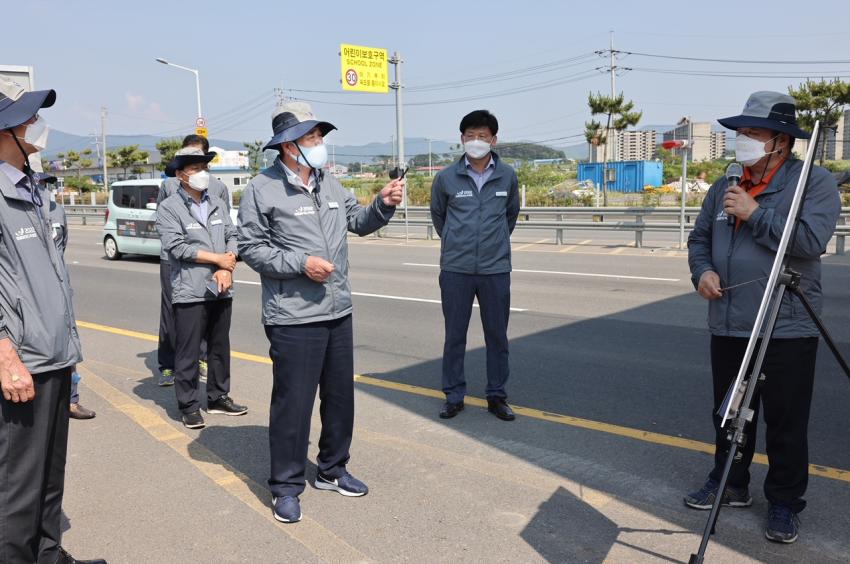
pixel 197 80
pixel 682 145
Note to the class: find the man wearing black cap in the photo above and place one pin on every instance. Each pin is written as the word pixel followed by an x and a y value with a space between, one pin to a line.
pixel 293 225
pixel 39 343
pixel 730 261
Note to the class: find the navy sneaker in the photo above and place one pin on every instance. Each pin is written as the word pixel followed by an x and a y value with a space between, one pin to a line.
pixel 782 524
pixel 287 509
pixel 732 497
pixel 347 485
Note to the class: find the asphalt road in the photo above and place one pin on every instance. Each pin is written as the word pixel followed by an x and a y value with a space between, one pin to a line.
pixel 609 359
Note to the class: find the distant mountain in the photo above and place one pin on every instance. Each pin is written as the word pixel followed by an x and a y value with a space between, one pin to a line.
pixel 61 142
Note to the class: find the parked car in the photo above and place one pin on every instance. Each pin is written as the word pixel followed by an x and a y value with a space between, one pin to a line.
pixel 130 226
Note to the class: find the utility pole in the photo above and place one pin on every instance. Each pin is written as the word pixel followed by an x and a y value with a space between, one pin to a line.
pixel 609 138
pixel 430 166
pixel 399 128
pixel 103 144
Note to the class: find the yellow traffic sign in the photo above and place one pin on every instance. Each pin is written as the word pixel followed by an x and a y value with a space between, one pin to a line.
pixel 364 69
pixel 201 131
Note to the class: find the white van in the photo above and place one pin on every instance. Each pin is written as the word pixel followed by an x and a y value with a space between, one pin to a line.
pixel 130 225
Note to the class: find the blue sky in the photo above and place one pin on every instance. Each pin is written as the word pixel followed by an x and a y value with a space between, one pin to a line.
pixel 101 53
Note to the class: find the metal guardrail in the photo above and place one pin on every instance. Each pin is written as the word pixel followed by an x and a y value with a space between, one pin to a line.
pixel 661 219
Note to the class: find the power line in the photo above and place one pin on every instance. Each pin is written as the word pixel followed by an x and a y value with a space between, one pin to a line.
pixel 742 74
pixel 734 61
pixel 539 86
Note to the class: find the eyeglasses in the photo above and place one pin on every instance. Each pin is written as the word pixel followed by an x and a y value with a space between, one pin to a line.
pixel 480 137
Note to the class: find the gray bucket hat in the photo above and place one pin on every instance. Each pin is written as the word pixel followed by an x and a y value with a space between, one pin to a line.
pixel 293 120
pixel 770 110
pixel 17 106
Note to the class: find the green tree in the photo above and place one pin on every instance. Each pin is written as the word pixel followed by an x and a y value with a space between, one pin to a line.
pixel 127 157
pixel 166 148
pixel 620 115
pixel 79 183
pixel 255 156
pixel 822 101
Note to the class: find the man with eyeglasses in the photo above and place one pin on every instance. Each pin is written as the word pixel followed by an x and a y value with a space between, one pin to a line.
pixel 474 207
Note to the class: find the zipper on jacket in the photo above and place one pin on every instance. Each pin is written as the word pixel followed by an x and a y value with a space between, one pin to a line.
pixel 729 276
pixel 315 197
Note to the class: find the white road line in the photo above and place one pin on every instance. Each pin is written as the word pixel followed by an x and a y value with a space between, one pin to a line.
pixel 383 296
pixel 589 274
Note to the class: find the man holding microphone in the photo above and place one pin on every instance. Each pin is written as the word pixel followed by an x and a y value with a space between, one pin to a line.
pixel 731 252
pixel 293 225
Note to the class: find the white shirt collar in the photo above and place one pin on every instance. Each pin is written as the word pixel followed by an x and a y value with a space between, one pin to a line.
pixel 295 180
pixel 13 173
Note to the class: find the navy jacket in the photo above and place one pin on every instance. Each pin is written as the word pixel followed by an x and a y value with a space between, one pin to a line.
pixel 475 226
pixel 747 253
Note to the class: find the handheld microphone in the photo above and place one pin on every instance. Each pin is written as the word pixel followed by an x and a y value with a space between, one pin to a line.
pixel 734 172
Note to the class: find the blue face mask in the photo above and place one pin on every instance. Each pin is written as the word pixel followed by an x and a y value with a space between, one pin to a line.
pixel 314 157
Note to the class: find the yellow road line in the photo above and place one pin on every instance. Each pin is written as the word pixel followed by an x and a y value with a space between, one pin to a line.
pixel 602 427
pixel 568 249
pixel 617 251
pixel 312 535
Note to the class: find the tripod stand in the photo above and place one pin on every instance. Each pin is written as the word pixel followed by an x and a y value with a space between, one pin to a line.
pixel 737 408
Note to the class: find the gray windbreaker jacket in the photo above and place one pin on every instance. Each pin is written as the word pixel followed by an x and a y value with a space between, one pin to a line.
pixel 36 309
pixel 182 236
pixel 748 253
pixel 475 226
pixel 170 185
pixel 280 225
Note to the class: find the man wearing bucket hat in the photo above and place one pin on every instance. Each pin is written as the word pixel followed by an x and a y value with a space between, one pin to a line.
pixel 165 350
pixel 293 224
pixel 730 262
pixel 39 343
pixel 196 231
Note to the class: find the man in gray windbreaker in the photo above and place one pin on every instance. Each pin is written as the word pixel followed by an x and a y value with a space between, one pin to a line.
pixel 165 350
pixel 731 251
pixel 293 225
pixel 39 343
pixel 196 230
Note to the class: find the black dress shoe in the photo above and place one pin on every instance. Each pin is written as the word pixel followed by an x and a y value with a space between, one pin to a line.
pixel 450 410
pixel 65 558
pixel 500 408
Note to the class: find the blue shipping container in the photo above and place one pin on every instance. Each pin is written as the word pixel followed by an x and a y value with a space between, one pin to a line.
pixel 631 176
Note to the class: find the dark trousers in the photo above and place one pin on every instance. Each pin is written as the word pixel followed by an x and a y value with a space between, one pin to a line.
pixel 194 322
pixel 494 299
pixel 304 358
pixel 33 444
pixel 785 397
pixel 165 350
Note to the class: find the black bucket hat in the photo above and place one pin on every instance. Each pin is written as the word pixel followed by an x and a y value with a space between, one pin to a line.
pixel 185 157
pixel 293 120
pixel 769 110
pixel 17 107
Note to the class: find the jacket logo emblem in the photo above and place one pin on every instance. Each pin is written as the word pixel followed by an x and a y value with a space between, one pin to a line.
pixel 464 194
pixel 305 210
pixel 25 233
pixel 194 225
pixel 721 216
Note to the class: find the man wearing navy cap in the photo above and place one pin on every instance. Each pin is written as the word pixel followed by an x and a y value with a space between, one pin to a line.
pixel 39 343
pixel 293 225
pixel 730 260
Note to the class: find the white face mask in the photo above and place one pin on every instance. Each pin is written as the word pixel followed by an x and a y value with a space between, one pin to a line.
pixel 477 149
pixel 36 134
pixel 314 157
pixel 749 151
pixel 200 180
